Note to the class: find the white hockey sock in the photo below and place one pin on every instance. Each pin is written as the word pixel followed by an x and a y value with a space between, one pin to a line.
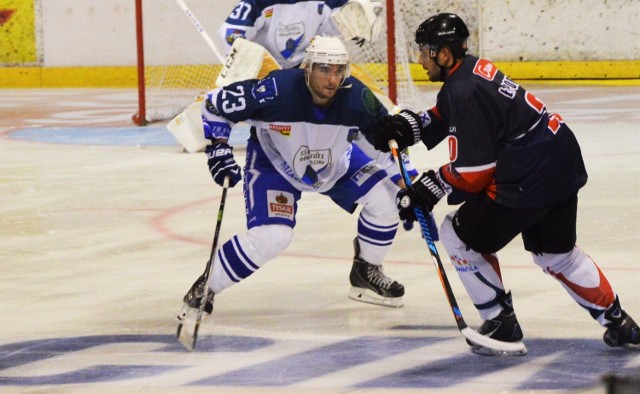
pixel 377 222
pixel 479 273
pixel 242 255
pixel 581 278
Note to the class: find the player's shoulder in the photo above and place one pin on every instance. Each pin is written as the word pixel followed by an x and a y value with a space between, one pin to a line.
pixel 287 76
pixel 287 85
pixel 358 97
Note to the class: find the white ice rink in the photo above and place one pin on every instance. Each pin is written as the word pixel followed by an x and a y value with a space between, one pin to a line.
pixel 104 226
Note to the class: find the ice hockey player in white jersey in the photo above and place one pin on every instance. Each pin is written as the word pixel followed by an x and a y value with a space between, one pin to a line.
pixel 303 122
pixel 285 29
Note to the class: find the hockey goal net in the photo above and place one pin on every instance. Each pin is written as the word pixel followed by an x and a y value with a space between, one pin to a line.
pixel 175 64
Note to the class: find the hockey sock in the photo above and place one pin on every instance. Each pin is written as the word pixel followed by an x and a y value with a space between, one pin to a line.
pixel 581 278
pixel 478 272
pixel 244 254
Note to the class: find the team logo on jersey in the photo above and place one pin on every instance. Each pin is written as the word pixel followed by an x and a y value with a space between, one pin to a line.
pixel 308 163
pixel 485 69
pixel 370 101
pixel 264 90
pixel 232 34
pixel 283 129
pixel 280 204
pixel 268 13
pixel 288 38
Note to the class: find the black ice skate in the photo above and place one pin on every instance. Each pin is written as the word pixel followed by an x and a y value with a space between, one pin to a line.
pixel 504 327
pixel 371 285
pixel 193 297
pixel 622 331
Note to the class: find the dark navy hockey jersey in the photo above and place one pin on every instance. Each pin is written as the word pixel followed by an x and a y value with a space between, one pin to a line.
pixel 502 141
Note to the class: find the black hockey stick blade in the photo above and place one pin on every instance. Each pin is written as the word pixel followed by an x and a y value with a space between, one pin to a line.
pixel 481 344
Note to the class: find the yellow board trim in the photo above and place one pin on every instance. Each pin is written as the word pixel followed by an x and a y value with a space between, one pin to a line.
pixel 619 72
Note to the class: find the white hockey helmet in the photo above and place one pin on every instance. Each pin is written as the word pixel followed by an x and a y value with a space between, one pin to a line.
pixel 326 50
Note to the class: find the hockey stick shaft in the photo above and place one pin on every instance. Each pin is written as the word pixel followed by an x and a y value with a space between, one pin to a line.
pixel 430 243
pixel 200 29
pixel 474 336
pixel 189 340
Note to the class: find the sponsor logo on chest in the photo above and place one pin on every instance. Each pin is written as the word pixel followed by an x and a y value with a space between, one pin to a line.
pixel 283 129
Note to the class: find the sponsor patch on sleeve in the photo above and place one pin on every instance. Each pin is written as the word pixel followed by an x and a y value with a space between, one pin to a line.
pixel 485 69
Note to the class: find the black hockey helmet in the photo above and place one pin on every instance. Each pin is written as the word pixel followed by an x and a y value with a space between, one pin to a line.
pixel 443 29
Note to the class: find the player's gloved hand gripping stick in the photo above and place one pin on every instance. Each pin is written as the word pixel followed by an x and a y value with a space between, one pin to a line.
pixel 473 336
pixel 187 333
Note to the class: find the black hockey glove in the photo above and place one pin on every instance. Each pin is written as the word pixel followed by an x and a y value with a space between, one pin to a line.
pixel 403 127
pixel 424 193
pixel 222 164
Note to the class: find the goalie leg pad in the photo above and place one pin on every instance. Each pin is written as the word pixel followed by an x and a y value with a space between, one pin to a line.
pixel 246 60
pixel 187 127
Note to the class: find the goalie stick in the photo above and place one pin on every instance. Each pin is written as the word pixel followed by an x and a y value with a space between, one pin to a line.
pixel 200 29
pixel 187 332
pixel 481 344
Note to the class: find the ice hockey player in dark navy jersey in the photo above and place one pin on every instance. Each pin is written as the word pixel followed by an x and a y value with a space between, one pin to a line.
pixel 515 168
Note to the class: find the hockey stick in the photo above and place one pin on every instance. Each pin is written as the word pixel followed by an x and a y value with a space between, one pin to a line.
pixel 200 29
pixel 498 347
pixel 187 334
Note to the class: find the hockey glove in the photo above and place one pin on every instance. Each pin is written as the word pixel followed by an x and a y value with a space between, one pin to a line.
pixel 221 164
pixel 403 127
pixel 425 193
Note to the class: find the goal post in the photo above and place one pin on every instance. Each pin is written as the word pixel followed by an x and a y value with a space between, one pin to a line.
pixel 176 64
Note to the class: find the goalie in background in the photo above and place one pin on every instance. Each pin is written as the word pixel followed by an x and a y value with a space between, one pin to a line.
pixel 516 169
pixel 263 36
pixel 303 123
pixel 285 29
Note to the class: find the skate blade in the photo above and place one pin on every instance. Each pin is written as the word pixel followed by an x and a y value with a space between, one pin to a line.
pixel 485 351
pixel 187 333
pixel 371 297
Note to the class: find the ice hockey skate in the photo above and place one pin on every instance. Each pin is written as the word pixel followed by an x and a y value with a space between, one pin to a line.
pixel 622 331
pixel 504 327
pixel 371 285
pixel 190 315
pixel 192 299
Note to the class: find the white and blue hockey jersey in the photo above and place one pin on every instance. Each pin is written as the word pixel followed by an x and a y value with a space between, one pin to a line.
pixel 309 145
pixel 283 27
